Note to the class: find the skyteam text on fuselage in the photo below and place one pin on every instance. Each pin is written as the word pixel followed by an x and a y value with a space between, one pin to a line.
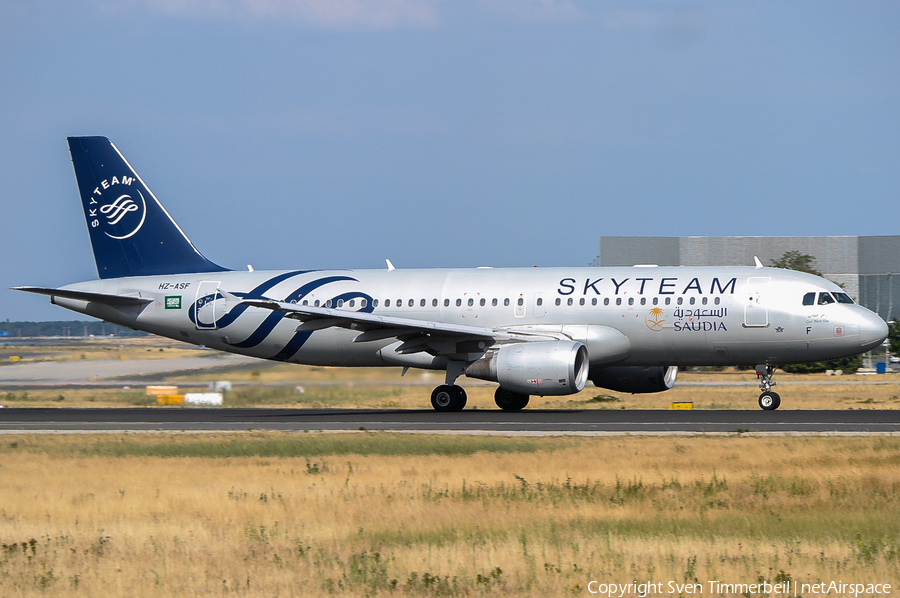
pixel 534 331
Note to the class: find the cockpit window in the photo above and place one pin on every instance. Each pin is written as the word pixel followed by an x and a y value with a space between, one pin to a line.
pixel 843 298
pixel 809 299
pixel 825 299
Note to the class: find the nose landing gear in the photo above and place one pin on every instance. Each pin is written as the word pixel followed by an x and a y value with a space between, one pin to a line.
pixel 768 400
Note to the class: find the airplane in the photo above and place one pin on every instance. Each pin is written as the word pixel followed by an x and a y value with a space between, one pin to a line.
pixel 533 331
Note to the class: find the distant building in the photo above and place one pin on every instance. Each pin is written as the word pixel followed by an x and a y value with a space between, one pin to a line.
pixel 867 267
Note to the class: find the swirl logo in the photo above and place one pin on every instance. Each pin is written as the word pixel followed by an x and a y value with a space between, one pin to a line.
pixel 125 208
pixel 116 210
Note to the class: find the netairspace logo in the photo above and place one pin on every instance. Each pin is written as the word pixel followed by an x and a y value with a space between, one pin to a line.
pixel 720 588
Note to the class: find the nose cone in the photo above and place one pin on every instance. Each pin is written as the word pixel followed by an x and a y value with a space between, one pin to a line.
pixel 872 330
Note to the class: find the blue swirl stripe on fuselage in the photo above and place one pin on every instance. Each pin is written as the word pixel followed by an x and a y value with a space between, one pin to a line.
pixel 256 293
pixel 299 339
pixel 272 320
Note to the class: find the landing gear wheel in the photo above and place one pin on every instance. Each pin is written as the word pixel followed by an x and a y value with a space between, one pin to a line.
pixel 448 397
pixel 770 401
pixel 510 401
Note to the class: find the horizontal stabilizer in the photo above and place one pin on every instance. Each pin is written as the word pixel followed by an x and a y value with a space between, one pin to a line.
pixel 87 296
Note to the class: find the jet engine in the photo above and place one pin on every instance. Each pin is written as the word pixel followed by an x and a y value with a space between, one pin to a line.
pixel 544 368
pixel 635 379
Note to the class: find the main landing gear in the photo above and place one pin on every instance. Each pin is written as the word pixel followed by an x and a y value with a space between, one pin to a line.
pixel 509 400
pixel 448 397
pixel 768 400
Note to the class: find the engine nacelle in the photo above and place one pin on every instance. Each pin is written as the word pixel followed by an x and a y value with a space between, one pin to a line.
pixel 545 368
pixel 635 379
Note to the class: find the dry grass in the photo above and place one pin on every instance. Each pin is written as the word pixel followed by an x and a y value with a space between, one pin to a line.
pixel 274 384
pixel 89 349
pixel 104 515
pixel 381 389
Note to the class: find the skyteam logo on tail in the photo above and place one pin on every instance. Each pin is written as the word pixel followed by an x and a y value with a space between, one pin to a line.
pixel 118 207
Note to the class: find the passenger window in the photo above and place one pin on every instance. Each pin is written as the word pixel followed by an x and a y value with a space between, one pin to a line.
pixel 471 302
pixel 825 299
pixel 618 301
pixel 569 302
pixel 421 303
pixel 631 301
pixel 446 303
pixel 459 303
pixel 434 303
pixel 643 301
pixel 340 303
pixel 412 302
pixel 481 303
pixel 387 302
pixel 353 303
pixel 843 298
pixel 680 300
pixel 703 301
pixel 374 303
pixel 362 302
pixel 717 301
pixel 494 302
pixel 581 301
pixel 668 300
pixel 540 301
pixel 399 303
pixel 506 302
pixel 328 303
pixel 520 302
pixel 656 301
pixel 606 301
pixel 558 301
pixel 594 301
pixel 316 304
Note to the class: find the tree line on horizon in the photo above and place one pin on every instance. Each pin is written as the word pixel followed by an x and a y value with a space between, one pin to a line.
pixel 64 328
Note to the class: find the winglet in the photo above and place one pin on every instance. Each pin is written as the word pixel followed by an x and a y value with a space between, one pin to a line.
pixel 758 263
pixel 390 266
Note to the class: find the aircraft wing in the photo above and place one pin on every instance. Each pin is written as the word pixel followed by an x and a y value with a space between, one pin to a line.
pixel 106 298
pixel 375 327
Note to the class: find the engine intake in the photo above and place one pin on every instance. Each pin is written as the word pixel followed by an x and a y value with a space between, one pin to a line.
pixel 635 379
pixel 545 368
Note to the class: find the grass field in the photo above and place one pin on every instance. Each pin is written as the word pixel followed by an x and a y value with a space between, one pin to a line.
pixel 91 348
pixel 377 514
pixel 275 384
pixel 371 388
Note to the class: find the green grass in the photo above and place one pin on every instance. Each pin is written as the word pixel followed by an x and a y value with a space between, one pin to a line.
pixel 267 444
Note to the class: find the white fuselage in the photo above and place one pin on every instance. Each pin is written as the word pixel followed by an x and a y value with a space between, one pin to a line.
pixel 669 315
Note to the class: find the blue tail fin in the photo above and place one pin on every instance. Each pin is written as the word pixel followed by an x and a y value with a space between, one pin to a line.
pixel 131 233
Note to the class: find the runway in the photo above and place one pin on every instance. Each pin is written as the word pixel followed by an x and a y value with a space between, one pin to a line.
pixel 534 421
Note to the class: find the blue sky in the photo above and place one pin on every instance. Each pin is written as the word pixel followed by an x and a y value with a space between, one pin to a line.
pixel 336 133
